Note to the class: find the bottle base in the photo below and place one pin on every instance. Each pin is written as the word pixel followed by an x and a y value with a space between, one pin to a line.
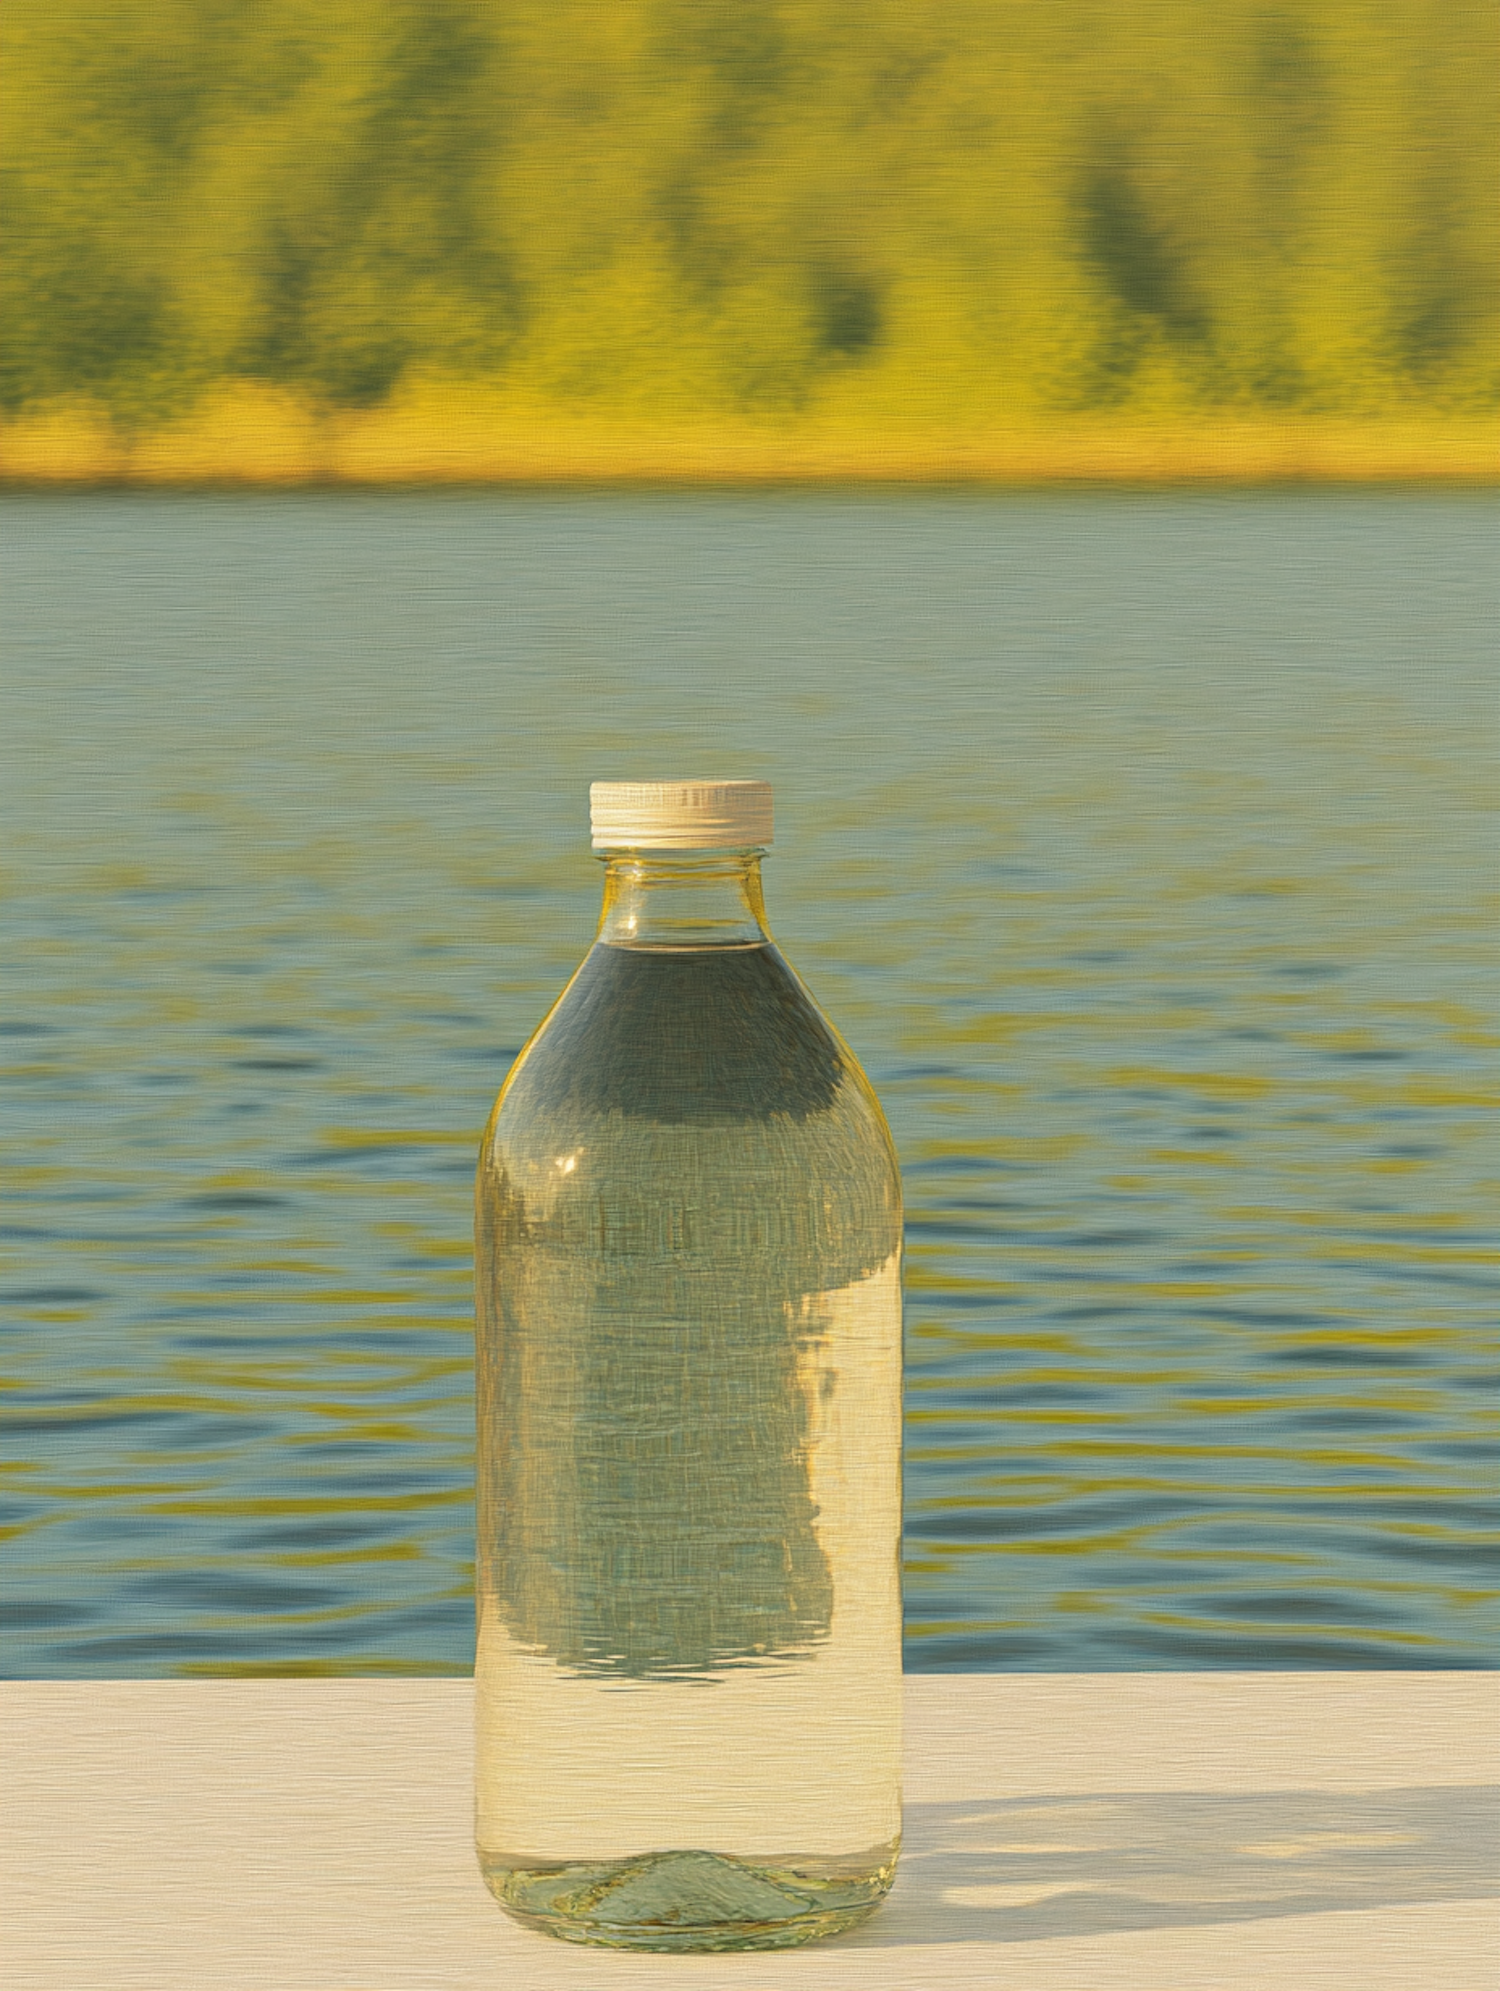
pixel 688 1900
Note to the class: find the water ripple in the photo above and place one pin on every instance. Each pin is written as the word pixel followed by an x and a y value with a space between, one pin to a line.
pixel 1159 932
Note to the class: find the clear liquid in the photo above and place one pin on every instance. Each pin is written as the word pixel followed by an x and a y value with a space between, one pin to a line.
pixel 688 1676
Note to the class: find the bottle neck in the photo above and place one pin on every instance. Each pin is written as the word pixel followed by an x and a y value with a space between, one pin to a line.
pixel 683 898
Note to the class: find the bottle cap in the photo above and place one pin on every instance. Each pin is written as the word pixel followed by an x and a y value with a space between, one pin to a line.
pixel 680 815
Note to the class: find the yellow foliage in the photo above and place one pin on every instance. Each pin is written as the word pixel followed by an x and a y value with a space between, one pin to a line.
pixel 753 238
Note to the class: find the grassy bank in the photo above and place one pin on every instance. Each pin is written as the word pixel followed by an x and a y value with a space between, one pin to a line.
pixel 267 438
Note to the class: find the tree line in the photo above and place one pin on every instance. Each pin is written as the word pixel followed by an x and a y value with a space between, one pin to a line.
pixel 984 209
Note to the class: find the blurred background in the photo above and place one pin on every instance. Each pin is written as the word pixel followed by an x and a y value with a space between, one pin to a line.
pixel 877 218
pixel 1140 839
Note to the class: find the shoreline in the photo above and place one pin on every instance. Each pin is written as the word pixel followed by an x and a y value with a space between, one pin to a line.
pixel 259 438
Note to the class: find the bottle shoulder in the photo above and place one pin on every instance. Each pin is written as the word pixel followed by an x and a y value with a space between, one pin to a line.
pixel 702 1101
pixel 686 1037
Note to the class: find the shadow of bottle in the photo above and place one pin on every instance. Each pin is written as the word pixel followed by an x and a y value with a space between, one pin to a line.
pixel 1030 1869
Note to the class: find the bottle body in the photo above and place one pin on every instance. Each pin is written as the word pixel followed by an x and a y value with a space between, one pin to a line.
pixel 688 1266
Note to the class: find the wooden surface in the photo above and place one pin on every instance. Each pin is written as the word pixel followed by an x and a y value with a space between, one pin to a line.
pixel 1162 1832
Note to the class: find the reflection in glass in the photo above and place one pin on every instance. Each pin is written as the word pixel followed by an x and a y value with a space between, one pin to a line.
pixel 689 1360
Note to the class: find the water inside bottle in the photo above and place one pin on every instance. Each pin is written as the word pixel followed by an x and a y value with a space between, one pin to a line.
pixel 689 1354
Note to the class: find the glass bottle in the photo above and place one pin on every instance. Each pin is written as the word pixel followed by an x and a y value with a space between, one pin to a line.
pixel 688 1677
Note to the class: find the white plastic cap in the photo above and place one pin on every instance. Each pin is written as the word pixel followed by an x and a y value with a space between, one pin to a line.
pixel 680 815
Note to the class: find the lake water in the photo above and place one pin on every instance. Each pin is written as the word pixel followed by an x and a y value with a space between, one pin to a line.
pixel 1138 844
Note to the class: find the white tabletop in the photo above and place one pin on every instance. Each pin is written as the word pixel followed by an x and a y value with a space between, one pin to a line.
pixel 1065 1832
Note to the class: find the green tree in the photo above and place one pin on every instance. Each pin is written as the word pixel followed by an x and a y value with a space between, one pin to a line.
pixel 756 204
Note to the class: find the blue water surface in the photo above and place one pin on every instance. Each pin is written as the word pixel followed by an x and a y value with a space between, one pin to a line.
pixel 1137 842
